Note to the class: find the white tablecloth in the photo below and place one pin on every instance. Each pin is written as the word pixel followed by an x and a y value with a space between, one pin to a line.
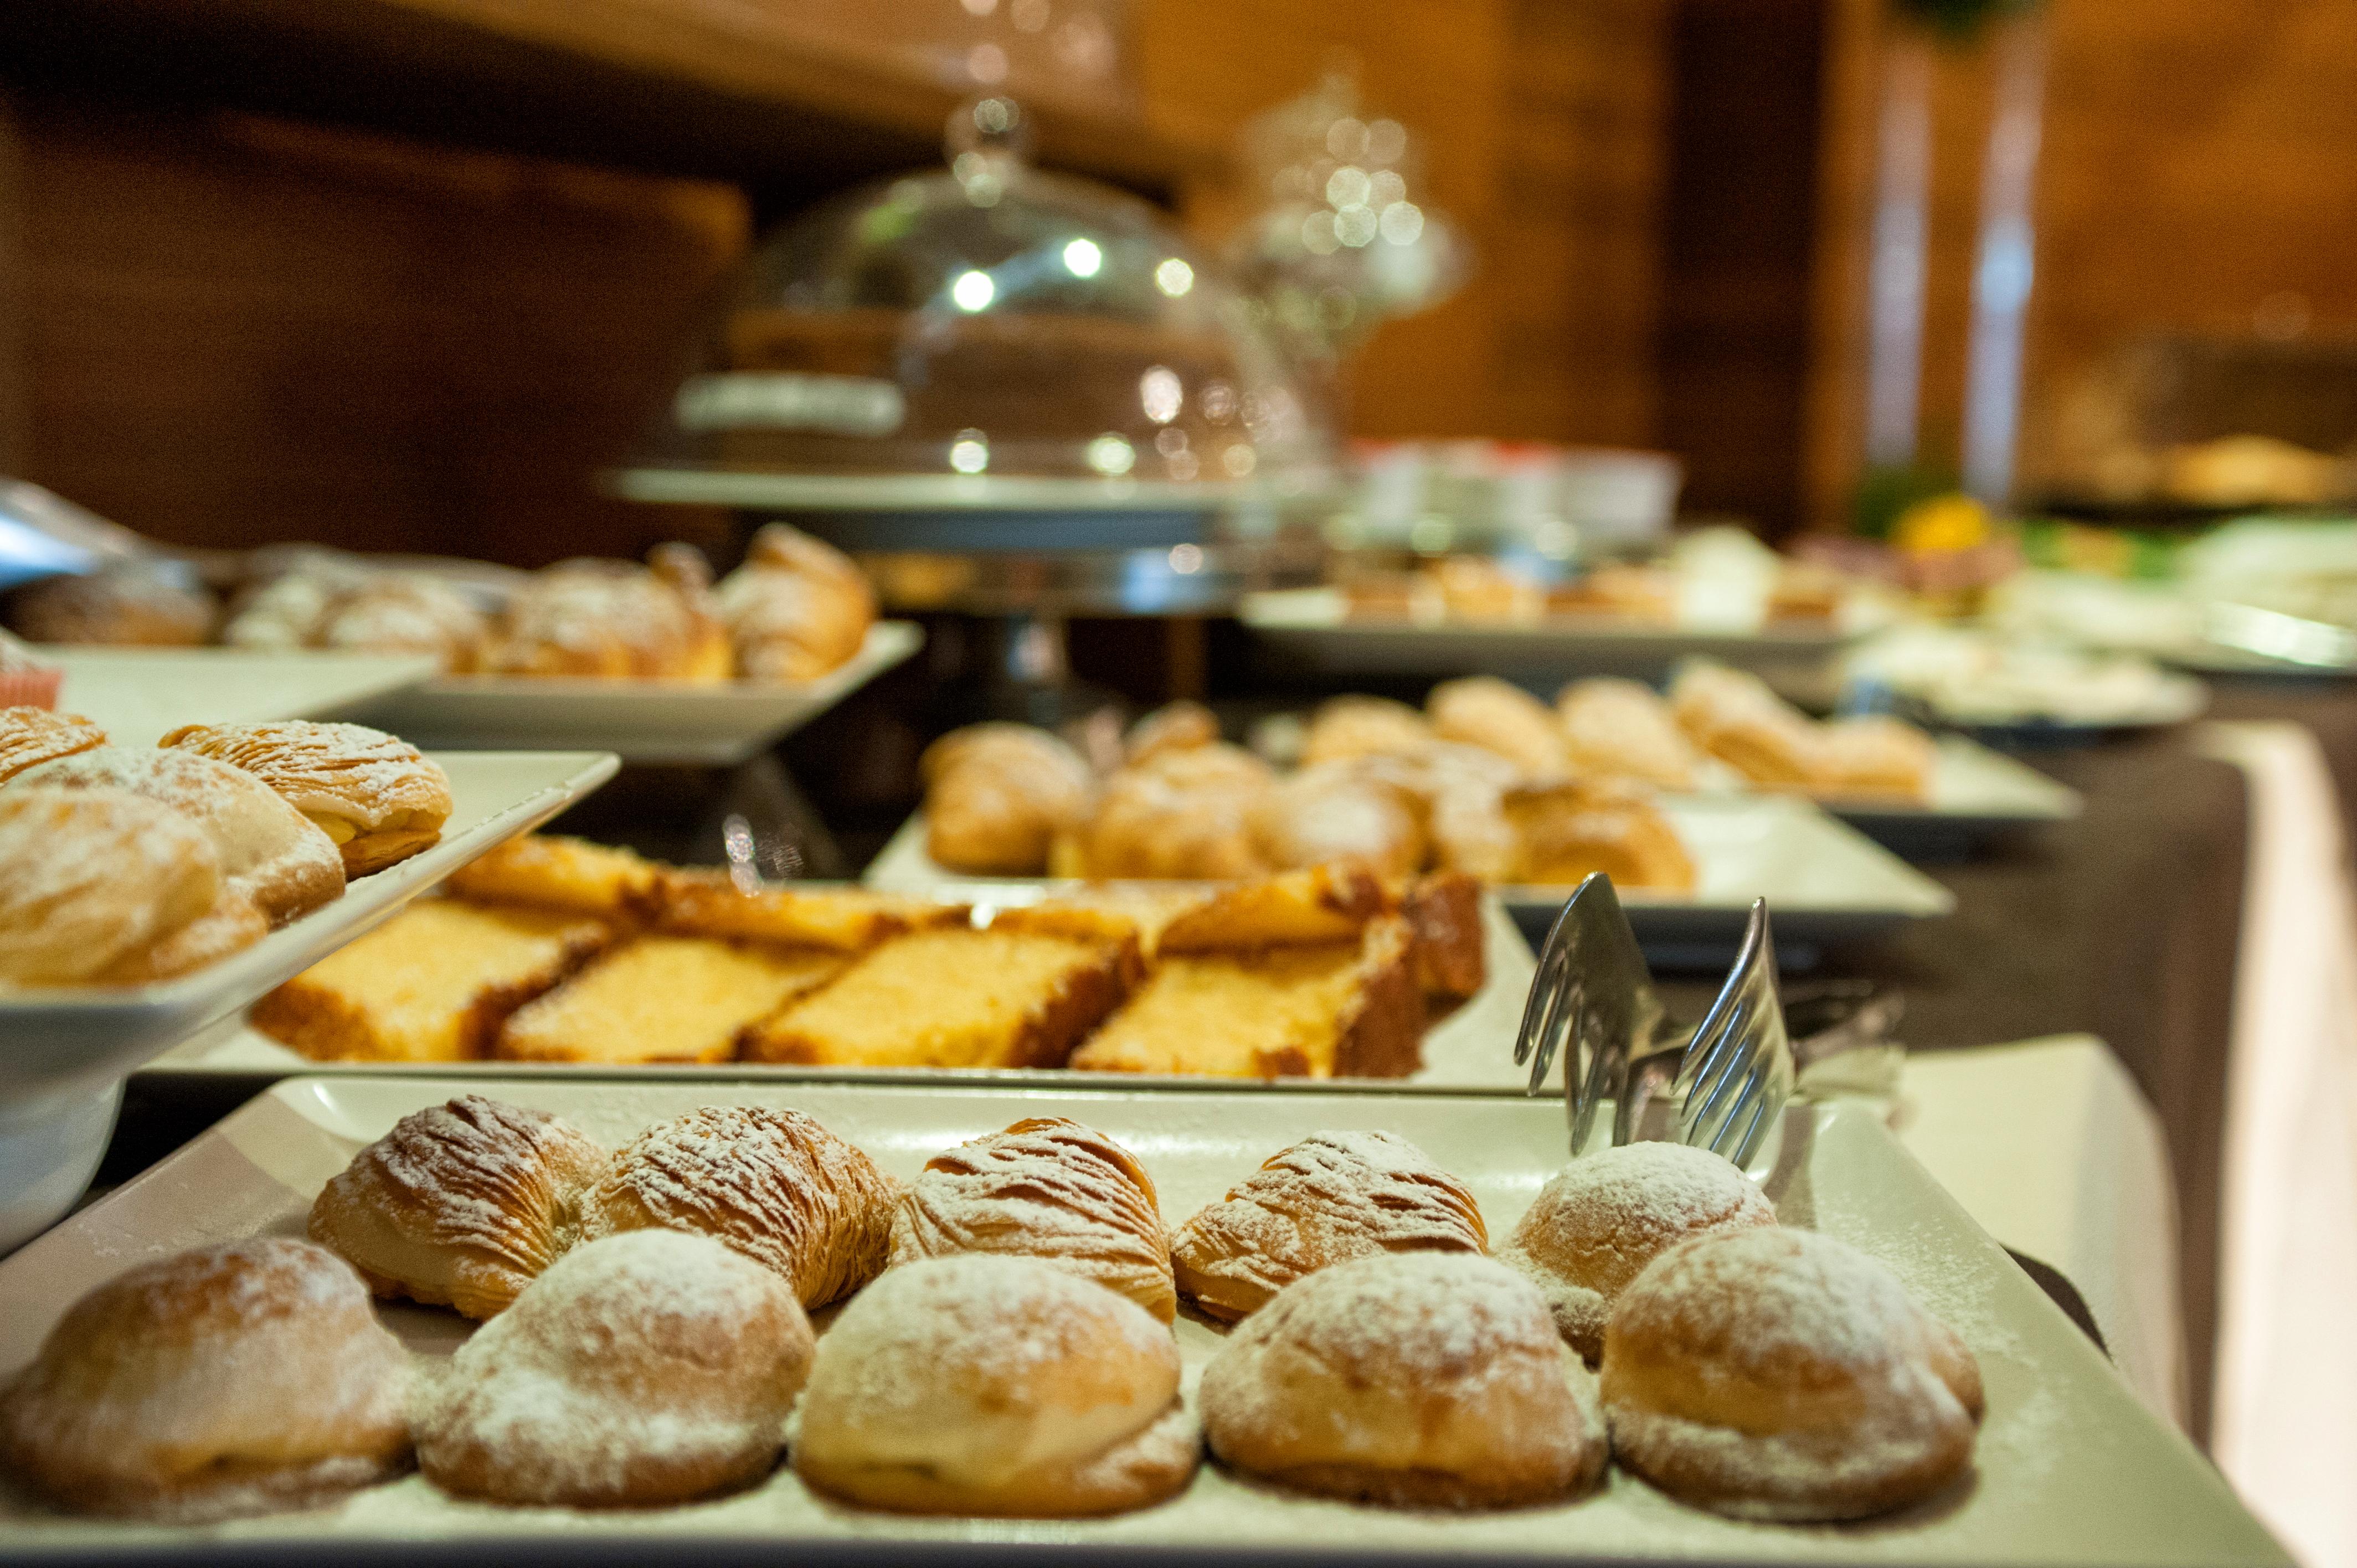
pixel 2284 1431
pixel 2051 1147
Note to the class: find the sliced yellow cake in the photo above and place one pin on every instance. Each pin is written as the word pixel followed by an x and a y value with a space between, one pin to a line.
pixel 663 999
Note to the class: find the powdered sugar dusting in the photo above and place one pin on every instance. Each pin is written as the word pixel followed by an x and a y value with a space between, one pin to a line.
pixel 1331 1196
pixel 644 1368
pixel 327 770
pixel 774 1184
pixel 1052 1189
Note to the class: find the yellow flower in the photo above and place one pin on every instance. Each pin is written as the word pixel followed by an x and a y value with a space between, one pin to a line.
pixel 1942 523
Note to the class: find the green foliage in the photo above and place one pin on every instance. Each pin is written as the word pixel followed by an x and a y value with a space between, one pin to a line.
pixel 1888 490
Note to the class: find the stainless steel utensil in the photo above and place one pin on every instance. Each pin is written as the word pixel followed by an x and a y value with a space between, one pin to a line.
pixel 1592 989
pixel 1737 1071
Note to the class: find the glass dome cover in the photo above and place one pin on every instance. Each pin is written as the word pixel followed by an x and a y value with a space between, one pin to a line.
pixel 984 336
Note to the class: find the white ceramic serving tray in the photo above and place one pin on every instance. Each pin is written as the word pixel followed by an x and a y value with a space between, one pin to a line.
pixel 1823 881
pixel 67 1050
pixel 1473 1048
pixel 138 693
pixel 641 721
pixel 2070 1469
pixel 1976 792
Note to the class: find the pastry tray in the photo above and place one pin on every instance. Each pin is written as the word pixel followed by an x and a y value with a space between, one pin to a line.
pixel 652 722
pixel 2070 1470
pixel 58 1036
pixel 1472 1048
pixel 1976 794
pixel 1822 880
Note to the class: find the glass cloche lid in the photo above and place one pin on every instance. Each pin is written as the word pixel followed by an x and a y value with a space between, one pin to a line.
pixel 984 337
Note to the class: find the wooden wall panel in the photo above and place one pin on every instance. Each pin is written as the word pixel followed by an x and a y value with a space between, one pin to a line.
pixel 1542 124
pixel 239 330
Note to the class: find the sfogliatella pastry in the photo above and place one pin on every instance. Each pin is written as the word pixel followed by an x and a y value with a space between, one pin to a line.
pixel 460 1205
pixel 650 1368
pixel 997 1385
pixel 1623 729
pixel 31 736
pixel 91 879
pixel 1496 715
pixel 268 854
pixel 1597 1224
pixel 375 795
pixel 1047 1188
pixel 1770 1373
pixel 231 1379
pixel 774 1184
pixel 1419 1380
pixel 1329 1198
pixel 997 794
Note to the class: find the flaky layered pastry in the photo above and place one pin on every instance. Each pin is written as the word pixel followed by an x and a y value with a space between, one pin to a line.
pixel 31 736
pixel 774 1185
pixel 374 794
pixel 461 1205
pixel 1047 1188
pixel 1327 1199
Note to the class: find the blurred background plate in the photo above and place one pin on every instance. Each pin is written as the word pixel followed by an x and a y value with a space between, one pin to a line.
pixel 138 693
pixel 640 721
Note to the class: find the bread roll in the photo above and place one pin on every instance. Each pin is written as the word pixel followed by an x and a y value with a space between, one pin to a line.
pixel 231 1379
pixel 650 1368
pixel 1597 1224
pixel 1623 729
pixel 1327 1199
pixel 1770 1373
pixel 774 1184
pixel 461 1205
pixel 375 795
pixel 267 852
pixel 1422 1380
pixel 997 1385
pixel 1047 1188
pixel 996 797
pixel 1496 715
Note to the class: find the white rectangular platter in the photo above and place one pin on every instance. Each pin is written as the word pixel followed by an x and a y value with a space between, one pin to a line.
pixel 1823 881
pixel 58 1036
pixel 136 694
pixel 2071 1472
pixel 641 721
pixel 1472 1048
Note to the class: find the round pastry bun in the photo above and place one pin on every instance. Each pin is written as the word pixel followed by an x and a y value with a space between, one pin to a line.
pixel 1420 1379
pixel 1781 1374
pixel 91 879
pixel 994 1385
pixel 1599 1221
pixel 650 1368
pixel 459 1205
pixel 231 1379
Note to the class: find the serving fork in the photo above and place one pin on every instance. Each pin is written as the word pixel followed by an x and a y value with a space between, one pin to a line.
pixel 1592 999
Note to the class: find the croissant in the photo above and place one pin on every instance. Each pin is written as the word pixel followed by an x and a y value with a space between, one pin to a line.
pixel 774 1184
pixel 460 1205
pixel 1330 1197
pixel 1500 716
pixel 796 608
pixel 1183 813
pixel 1047 1188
